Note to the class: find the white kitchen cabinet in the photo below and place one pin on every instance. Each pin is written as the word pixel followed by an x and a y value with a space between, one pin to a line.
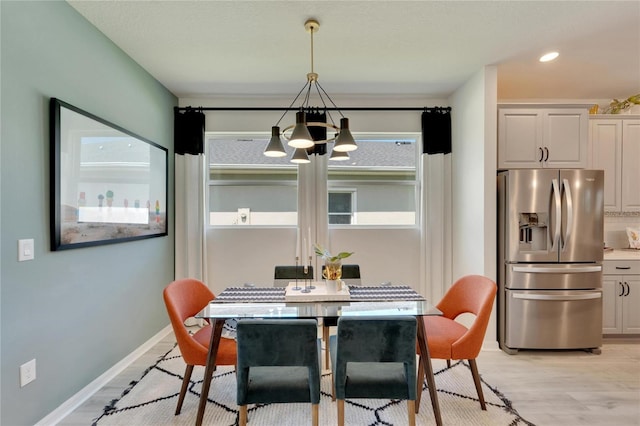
pixel 615 148
pixel 621 297
pixel 542 137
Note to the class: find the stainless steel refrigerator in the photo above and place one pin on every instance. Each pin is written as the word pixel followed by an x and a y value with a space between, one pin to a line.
pixel 550 248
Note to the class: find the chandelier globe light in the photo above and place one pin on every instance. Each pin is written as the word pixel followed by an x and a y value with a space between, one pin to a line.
pixel 298 135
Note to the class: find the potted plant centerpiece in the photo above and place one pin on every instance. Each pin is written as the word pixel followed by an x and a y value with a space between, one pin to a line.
pixel 332 264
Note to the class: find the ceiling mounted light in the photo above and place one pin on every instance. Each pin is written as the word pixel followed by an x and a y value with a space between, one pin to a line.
pixel 298 135
pixel 549 56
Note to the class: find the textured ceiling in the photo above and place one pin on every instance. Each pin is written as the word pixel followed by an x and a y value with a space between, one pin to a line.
pixel 421 48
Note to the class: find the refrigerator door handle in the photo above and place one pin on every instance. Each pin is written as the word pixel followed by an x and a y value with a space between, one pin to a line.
pixel 552 297
pixel 567 191
pixel 546 270
pixel 556 196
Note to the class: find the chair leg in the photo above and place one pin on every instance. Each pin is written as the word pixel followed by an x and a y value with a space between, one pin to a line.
pixel 411 409
pixel 183 389
pixel 333 388
pixel 341 412
pixel 476 381
pixel 419 383
pixel 242 421
pixel 448 363
pixel 325 337
pixel 314 414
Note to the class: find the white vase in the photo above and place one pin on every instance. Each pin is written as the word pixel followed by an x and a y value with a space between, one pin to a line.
pixel 332 286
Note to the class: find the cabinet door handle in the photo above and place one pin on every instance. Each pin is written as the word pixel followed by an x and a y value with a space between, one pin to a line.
pixel 628 288
pixel 546 150
pixel 541 154
pixel 621 289
pixel 623 267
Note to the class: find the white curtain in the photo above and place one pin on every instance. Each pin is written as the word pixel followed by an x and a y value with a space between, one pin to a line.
pixel 436 271
pixel 190 222
pixel 436 200
pixel 313 209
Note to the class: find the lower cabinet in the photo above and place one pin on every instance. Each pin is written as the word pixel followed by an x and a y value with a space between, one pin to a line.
pixel 621 297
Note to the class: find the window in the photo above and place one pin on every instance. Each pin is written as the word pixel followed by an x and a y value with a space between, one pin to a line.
pixel 247 188
pixel 377 186
pixel 382 172
pixel 341 207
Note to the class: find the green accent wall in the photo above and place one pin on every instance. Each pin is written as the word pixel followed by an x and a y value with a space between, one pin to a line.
pixel 77 312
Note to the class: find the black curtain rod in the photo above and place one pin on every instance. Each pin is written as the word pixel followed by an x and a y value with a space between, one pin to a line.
pixel 447 109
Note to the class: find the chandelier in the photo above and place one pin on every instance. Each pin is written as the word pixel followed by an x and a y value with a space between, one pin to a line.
pixel 298 135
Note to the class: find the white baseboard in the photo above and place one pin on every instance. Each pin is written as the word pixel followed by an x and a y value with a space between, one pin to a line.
pixel 490 346
pixel 85 393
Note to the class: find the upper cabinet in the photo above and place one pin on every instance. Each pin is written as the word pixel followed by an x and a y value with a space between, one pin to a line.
pixel 553 137
pixel 615 148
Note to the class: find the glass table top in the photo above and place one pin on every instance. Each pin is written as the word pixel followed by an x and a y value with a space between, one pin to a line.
pixel 252 303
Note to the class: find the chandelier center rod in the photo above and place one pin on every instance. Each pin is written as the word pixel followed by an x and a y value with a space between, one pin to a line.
pixel 312 26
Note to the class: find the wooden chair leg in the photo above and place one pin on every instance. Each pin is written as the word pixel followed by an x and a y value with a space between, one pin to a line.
pixel 411 408
pixel 419 383
pixel 476 381
pixel 183 389
pixel 242 421
pixel 448 363
pixel 325 337
pixel 333 388
pixel 341 412
pixel 314 414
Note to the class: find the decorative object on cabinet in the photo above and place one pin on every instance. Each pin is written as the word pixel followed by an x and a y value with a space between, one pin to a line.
pixel 621 297
pixel 531 137
pixel 616 106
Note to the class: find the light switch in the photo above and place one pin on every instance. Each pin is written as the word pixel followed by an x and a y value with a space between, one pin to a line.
pixel 25 250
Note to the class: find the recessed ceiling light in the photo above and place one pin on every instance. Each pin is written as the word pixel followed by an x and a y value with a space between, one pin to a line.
pixel 549 56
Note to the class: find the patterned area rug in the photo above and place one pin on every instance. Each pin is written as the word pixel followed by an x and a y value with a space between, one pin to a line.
pixel 152 400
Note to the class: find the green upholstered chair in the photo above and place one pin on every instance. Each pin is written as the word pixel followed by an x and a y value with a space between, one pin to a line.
pixel 283 275
pixel 374 358
pixel 278 362
pixel 351 276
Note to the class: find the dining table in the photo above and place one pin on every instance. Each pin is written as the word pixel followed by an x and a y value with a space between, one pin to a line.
pixel 282 302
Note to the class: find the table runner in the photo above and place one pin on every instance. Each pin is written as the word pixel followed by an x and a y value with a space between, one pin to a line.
pixel 358 294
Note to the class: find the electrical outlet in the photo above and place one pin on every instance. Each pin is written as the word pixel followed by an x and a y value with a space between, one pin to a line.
pixel 27 372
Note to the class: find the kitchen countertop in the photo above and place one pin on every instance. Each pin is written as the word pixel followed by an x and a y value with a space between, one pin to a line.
pixel 622 254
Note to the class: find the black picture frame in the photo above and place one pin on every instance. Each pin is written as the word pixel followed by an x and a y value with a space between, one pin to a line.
pixel 108 185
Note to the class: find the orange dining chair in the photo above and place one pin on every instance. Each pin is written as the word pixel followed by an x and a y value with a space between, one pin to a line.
pixel 448 339
pixel 184 298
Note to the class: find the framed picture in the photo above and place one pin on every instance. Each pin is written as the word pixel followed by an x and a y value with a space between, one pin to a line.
pixel 108 185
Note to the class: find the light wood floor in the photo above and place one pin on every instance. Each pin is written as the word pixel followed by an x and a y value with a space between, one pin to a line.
pixel 547 388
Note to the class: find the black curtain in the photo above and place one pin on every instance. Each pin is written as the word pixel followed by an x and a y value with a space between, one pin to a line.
pixel 436 131
pixel 188 131
pixel 318 133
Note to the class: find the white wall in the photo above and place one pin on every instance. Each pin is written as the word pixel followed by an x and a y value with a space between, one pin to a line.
pixel 474 148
